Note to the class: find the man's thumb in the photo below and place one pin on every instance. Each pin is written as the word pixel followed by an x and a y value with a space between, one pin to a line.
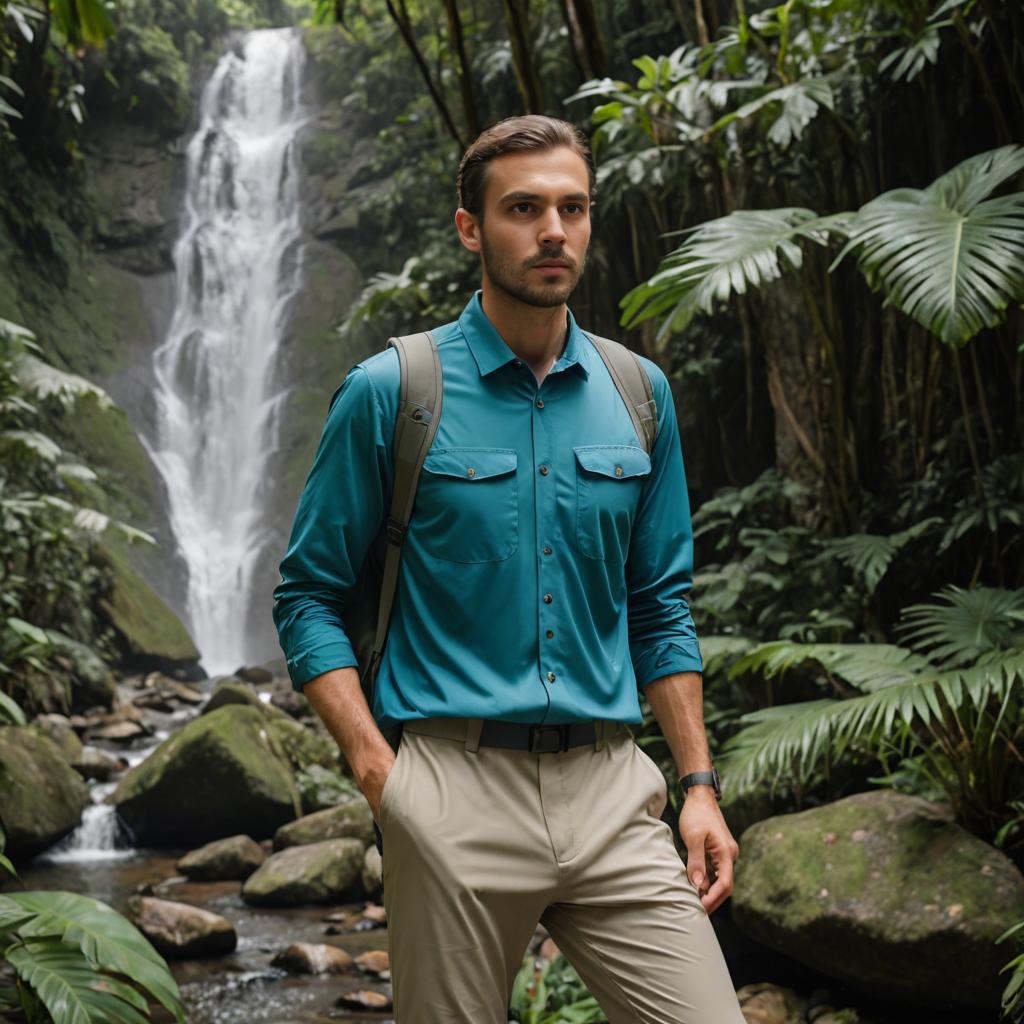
pixel 695 865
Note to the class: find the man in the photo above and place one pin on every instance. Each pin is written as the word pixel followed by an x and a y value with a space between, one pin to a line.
pixel 544 575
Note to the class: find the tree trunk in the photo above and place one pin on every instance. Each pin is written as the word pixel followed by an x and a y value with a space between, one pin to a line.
pixel 404 25
pixel 585 34
pixel 458 44
pixel 517 18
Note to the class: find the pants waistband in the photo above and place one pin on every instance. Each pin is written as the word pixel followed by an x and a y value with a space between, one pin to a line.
pixel 480 732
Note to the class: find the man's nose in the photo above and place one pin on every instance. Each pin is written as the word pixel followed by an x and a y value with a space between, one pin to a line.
pixel 552 231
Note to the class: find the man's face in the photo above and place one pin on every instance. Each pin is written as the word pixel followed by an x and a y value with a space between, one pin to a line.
pixel 535 228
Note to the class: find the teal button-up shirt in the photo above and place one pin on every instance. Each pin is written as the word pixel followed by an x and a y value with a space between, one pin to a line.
pixel 546 566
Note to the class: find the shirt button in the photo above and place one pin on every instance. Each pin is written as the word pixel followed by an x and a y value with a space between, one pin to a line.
pixel 550 633
pixel 540 403
pixel 551 677
pixel 543 470
pixel 618 471
pixel 547 551
pixel 519 362
pixel 548 599
pixel 470 471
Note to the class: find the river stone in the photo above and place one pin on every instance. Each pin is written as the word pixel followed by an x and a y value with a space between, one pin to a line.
pixel 182 931
pixel 317 873
pixel 41 796
pixel 236 857
pixel 221 775
pixel 232 691
pixel 372 872
pixel 882 891
pixel 94 764
pixel 313 958
pixel 349 820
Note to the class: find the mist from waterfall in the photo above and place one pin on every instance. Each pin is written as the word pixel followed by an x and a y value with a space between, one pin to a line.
pixel 217 405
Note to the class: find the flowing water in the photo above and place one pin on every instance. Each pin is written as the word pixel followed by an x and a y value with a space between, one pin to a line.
pixel 217 406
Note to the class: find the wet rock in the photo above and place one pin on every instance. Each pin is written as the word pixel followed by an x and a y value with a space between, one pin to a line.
pixel 254 674
pixel 221 775
pixel 350 820
pixel 770 1004
pixel 236 857
pixel 233 691
pixel 182 931
pixel 118 732
pixel 365 999
pixel 58 728
pixel 148 633
pixel 97 766
pixel 882 891
pixel 41 795
pixel 317 873
pixel 323 788
pixel 313 958
pixel 372 871
pixel 374 961
pixel 285 698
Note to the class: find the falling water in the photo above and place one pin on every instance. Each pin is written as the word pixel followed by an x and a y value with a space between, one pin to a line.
pixel 216 403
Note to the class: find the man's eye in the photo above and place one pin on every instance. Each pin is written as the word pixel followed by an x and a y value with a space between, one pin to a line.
pixel 522 208
pixel 573 208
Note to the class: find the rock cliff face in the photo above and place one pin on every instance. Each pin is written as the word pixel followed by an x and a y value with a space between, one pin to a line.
pixel 89 268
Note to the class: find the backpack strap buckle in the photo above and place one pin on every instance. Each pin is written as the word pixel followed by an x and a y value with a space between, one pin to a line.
pixel 395 531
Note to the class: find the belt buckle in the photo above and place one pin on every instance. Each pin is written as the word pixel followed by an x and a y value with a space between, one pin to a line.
pixel 538 745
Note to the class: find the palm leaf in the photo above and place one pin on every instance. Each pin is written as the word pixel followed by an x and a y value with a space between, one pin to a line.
pixel 106 938
pixel 71 989
pixel 799 102
pixel 722 258
pixel 43 380
pixel 970 624
pixel 869 555
pixel 946 255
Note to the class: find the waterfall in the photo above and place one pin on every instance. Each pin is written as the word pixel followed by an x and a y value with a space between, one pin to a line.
pixel 101 836
pixel 216 404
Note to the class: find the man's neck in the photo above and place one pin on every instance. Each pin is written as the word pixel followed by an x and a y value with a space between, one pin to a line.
pixel 537 334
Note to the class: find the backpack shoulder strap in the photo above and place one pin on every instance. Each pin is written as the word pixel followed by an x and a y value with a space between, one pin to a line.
pixel 633 384
pixel 419 412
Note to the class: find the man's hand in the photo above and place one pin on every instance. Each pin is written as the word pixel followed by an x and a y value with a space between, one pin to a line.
pixel 710 847
pixel 337 697
pixel 374 775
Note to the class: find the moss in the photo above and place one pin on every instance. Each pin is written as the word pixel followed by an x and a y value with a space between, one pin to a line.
pixel 221 775
pixel 148 629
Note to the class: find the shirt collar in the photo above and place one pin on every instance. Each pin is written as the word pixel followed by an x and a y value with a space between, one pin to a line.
pixel 491 352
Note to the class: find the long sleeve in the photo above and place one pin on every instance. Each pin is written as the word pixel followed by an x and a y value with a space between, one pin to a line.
pixel 339 513
pixel 659 570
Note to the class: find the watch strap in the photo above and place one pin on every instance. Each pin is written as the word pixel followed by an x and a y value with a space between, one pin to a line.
pixel 702 779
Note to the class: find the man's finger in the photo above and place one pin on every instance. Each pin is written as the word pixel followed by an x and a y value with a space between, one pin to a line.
pixel 722 887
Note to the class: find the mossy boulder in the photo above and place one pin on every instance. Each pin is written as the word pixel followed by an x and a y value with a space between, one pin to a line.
pixel 92 683
pixel 221 775
pixel 236 857
pixel 41 796
pixel 318 873
pixel 58 729
pixel 150 634
pixel 883 891
pixel 232 691
pixel 349 820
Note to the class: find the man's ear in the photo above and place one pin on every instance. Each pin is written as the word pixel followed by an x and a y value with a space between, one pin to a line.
pixel 468 228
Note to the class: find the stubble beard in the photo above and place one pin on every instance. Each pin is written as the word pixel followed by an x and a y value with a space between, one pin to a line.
pixel 512 279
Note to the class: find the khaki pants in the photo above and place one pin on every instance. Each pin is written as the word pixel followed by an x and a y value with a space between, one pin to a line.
pixel 478 846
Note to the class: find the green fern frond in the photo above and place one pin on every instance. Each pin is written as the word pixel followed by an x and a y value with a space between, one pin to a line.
pixel 970 624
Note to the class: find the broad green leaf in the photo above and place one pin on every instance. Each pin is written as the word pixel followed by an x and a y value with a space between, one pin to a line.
pixel 10 710
pixel 946 255
pixel 105 937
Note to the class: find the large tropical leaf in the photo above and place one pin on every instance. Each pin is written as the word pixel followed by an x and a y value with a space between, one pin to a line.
pixel 71 989
pixel 723 258
pixel 969 625
pixel 106 938
pixel 10 711
pixel 797 104
pixel 947 255
pixel 870 554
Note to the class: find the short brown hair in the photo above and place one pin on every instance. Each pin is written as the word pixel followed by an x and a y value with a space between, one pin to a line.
pixel 527 133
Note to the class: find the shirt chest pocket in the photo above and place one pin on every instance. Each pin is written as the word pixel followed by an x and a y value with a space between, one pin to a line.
pixel 467 504
pixel 609 479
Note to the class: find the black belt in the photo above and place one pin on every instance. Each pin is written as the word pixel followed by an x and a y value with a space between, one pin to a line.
pixel 538 739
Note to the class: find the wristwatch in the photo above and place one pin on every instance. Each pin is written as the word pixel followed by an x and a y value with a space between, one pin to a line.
pixel 702 779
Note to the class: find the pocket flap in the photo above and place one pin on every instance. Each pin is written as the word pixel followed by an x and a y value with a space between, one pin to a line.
pixel 471 463
pixel 619 461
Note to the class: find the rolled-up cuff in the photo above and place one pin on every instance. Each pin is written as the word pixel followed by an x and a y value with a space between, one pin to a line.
pixel 664 658
pixel 307 665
